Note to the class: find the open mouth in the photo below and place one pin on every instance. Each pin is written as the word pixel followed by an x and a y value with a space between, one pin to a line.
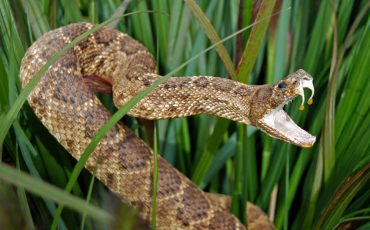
pixel 278 124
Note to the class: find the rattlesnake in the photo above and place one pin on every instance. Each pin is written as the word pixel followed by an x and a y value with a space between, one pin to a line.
pixel 109 60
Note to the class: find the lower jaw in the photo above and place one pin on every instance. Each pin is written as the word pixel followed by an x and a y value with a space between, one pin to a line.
pixel 279 125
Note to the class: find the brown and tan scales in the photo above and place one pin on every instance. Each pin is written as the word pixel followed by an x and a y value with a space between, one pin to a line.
pixel 65 103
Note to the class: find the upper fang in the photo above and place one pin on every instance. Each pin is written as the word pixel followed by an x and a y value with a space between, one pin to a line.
pixel 306 82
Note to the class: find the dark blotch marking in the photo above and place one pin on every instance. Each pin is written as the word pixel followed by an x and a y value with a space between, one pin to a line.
pixel 181 216
pixel 72 100
pixel 51 42
pixel 52 45
pixel 68 60
pixel 169 85
pixel 41 111
pixel 84 45
pixel 60 95
pixel 169 182
pixel 261 101
pixel 146 82
pixel 105 36
pixel 44 53
pixel 128 160
pixel 264 93
pixel 38 101
pixel 70 143
pixel 172 109
pixel 130 46
pixel 224 86
pixel 184 97
pixel 110 179
pixel 222 220
pixel 220 101
pixel 195 205
pixel 184 82
pixel 89 133
pixel 201 82
pixel 101 158
pixel 241 90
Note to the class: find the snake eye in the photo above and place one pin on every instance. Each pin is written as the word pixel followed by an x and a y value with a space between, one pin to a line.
pixel 282 85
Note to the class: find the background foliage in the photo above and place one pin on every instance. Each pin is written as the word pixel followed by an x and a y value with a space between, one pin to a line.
pixel 322 187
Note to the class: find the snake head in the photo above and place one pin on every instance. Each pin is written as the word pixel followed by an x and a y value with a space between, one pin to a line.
pixel 273 120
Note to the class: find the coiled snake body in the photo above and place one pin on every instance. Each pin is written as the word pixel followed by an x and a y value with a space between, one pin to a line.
pixel 65 103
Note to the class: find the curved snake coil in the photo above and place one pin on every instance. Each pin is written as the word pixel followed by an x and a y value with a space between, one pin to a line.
pixel 109 60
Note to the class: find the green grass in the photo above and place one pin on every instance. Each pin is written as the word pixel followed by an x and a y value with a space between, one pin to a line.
pixel 320 188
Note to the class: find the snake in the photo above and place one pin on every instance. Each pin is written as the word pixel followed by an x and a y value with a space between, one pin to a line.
pixel 108 60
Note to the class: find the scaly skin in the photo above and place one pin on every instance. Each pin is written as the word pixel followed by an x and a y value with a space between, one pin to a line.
pixel 111 61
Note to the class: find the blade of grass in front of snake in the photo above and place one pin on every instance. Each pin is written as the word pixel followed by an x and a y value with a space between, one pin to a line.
pixel 48 191
pixel 29 154
pixel 88 198
pixel 23 203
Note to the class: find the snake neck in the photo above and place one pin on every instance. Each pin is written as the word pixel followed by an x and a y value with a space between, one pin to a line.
pixel 186 96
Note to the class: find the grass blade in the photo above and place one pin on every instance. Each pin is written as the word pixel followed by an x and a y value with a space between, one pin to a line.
pixel 212 35
pixel 36 18
pixel 342 197
pixel 255 39
pixel 155 179
pixel 45 190
pixel 23 201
